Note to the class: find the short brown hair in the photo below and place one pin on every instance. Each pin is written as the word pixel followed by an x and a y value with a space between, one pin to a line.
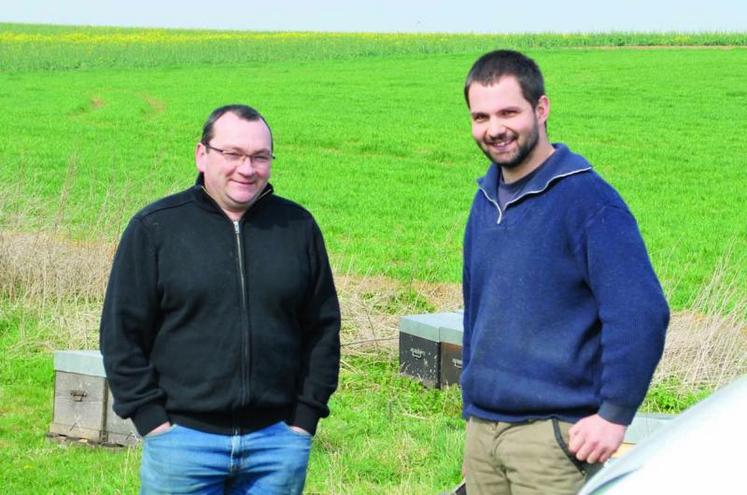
pixel 491 67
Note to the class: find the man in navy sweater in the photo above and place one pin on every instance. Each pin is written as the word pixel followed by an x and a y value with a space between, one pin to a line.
pixel 564 318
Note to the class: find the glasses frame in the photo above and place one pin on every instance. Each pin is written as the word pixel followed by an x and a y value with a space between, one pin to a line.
pixel 243 156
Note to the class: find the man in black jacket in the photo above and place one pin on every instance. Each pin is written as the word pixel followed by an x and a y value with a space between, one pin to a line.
pixel 220 328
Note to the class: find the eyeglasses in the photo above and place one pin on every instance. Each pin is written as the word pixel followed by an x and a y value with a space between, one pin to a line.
pixel 237 158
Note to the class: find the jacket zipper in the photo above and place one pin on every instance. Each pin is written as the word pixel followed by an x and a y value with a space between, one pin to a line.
pixel 495 203
pixel 527 193
pixel 245 313
pixel 245 337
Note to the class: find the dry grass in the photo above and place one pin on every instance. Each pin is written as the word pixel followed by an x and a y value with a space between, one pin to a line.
pixel 372 306
pixel 48 269
pixel 62 282
pixel 706 346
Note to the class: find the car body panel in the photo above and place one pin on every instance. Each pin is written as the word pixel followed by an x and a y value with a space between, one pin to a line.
pixel 700 451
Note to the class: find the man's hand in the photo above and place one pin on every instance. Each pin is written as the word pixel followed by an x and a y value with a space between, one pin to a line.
pixel 158 429
pixel 300 430
pixel 594 439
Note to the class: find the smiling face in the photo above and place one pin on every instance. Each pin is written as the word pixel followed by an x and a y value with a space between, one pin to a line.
pixel 507 128
pixel 234 186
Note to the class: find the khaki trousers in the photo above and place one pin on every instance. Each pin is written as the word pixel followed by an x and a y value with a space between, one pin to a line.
pixel 521 459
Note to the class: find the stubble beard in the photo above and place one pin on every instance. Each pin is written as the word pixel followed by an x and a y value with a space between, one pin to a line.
pixel 521 154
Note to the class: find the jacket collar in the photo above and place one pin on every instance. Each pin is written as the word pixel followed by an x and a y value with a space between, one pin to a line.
pixel 560 164
pixel 205 201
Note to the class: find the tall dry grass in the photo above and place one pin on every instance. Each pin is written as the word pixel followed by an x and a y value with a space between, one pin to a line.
pixel 62 282
pixel 54 284
pixel 59 283
pixel 706 346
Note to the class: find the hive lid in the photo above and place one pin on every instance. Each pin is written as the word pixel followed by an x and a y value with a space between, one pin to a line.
pixel 451 329
pixel 429 325
pixel 81 362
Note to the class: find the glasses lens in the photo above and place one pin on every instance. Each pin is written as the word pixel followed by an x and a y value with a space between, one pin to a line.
pixel 232 156
pixel 261 159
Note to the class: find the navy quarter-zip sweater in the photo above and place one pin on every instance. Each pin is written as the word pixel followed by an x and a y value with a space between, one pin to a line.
pixel 564 316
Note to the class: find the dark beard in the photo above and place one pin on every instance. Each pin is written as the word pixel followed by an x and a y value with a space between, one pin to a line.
pixel 521 154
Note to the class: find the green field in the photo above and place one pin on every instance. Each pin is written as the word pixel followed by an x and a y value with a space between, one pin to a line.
pixel 372 135
pixel 376 441
pixel 376 145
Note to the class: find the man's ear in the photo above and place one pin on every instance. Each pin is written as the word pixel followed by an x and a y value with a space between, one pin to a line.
pixel 542 109
pixel 201 157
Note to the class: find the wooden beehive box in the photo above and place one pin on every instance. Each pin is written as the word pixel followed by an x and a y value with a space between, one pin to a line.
pixel 83 402
pixel 419 353
pixel 450 336
pixel 421 349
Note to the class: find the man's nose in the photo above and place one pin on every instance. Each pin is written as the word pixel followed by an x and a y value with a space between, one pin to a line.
pixel 496 127
pixel 246 167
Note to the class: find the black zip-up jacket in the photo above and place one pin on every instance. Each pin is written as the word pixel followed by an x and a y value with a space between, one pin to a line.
pixel 221 326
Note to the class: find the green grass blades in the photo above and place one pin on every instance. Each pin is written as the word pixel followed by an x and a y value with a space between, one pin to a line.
pixel 372 135
pixel 51 48
pixel 386 432
pixel 379 148
pixel 31 463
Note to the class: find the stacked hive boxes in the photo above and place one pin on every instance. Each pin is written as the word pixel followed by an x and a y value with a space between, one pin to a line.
pixel 430 348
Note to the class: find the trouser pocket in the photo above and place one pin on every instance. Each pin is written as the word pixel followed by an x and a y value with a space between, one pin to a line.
pixel 580 465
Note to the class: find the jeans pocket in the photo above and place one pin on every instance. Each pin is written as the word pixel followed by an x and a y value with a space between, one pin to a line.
pixel 160 433
pixel 302 434
pixel 580 465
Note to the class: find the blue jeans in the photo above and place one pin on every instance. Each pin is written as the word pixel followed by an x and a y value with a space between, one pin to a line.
pixel 186 461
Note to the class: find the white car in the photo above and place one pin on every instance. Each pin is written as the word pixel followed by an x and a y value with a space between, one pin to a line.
pixel 701 451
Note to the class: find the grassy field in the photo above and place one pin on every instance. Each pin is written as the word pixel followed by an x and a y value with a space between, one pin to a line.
pixel 372 135
pixel 28 47
pixel 376 145
pixel 361 449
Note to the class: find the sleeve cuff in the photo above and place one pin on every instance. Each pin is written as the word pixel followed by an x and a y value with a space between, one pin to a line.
pixel 305 417
pixel 148 417
pixel 614 413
